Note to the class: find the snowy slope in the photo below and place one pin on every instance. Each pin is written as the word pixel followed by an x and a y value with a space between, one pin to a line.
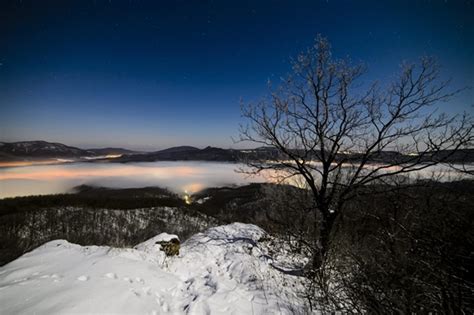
pixel 225 270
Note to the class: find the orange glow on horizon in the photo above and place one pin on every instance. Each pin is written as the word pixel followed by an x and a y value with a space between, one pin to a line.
pixel 194 188
pixel 119 170
pixel 61 177
pixel 32 163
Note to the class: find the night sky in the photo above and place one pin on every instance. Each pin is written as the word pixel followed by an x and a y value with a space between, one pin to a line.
pixel 153 74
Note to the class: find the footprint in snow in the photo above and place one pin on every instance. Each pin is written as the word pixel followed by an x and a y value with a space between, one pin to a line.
pixel 146 290
pixel 137 294
pixel 110 275
pixel 83 278
pixel 161 302
pixel 158 299
pixel 127 279
pixel 140 280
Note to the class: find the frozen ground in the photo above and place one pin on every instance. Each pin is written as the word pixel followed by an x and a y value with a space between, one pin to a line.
pixel 225 270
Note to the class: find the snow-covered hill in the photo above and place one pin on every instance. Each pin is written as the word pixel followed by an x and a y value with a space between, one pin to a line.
pixel 225 270
pixel 42 149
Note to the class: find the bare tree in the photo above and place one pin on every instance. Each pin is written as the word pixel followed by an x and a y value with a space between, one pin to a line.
pixel 341 134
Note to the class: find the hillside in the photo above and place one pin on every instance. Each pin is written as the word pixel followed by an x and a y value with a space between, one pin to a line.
pixel 225 270
pixel 111 151
pixel 36 149
pixel 184 153
pixel 12 151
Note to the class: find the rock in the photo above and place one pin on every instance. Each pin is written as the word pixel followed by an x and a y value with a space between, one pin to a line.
pixel 156 245
pixel 170 247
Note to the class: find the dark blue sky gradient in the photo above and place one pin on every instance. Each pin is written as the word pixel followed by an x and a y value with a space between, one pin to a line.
pixel 153 74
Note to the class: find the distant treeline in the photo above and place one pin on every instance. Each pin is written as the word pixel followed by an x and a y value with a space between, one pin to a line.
pixel 95 216
pixel 95 198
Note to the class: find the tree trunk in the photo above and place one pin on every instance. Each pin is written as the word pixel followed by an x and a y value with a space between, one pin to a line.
pixel 325 228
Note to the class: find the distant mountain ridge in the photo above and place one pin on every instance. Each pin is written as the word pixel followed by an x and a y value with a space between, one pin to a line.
pixel 40 149
pixel 11 151
pixel 184 153
pixel 111 151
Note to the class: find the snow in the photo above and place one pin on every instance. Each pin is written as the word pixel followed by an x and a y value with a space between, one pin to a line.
pixel 224 270
pixel 150 246
pixel 202 200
